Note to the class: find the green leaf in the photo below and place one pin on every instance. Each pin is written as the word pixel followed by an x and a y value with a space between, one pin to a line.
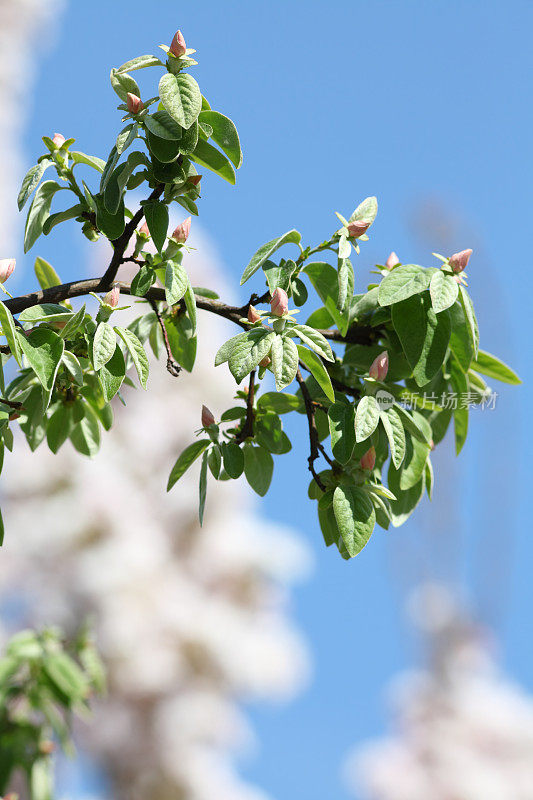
pixel 176 282
pixel 126 136
pixel 164 150
pixel 202 489
pixel 233 458
pixel 123 84
pixel 248 350
pixel 137 353
pixel 45 312
pixel 284 355
pixel 73 324
pixel 162 125
pixel 443 290
pixel 280 403
pixel 183 342
pixel 46 274
pixel 424 335
pixel 141 62
pixel 156 215
pixel 104 344
pixel 366 417
pixel 367 210
pixel 208 156
pixel 279 275
pixel 90 161
pixel 9 331
pixel 181 97
pixel 190 305
pixel 225 350
pixel 318 371
pixel 325 281
pixel 258 468
pixel 470 315
pixel 403 282
pixel 73 367
pixel 59 428
pixel 415 423
pixel 269 433
pixel 266 250
pixel 111 225
pixel 416 455
pixel 39 212
pixel 185 460
pixel 395 434
pixel 346 279
pixel 342 431
pixel 355 516
pixel 43 349
pixel 225 135
pixel 112 374
pixel 31 181
pixel 313 339
pixel 491 366
pixel 460 339
pixel 143 280
pixel 85 436
pixel 406 501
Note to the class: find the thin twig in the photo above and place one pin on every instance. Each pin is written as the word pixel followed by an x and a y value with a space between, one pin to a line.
pixel 314 442
pixel 11 403
pixel 172 366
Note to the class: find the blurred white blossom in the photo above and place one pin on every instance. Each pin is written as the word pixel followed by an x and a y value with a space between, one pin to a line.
pixel 461 730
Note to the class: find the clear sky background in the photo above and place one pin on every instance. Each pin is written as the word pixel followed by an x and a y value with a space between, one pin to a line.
pixel 427 105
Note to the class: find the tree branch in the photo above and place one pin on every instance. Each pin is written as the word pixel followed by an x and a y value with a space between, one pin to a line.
pixel 119 245
pixel 314 442
pixel 172 366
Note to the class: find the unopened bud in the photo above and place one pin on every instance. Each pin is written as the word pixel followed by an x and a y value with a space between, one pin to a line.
pixel 279 303
pixel 178 47
pixel 144 230
pixel 392 260
pixel 59 140
pixel 7 265
pixel 357 228
pixel 112 297
pixel 194 179
pixel 253 315
pixel 379 367
pixel 207 417
pixel 264 361
pixel 182 231
pixel 47 747
pixel 459 261
pixel 134 103
pixel 369 459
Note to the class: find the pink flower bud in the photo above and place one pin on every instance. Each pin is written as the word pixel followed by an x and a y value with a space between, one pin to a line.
pixel 181 232
pixel 392 260
pixel 369 459
pixel 144 230
pixel 7 265
pixel 194 179
pixel 134 103
pixel 459 261
pixel 178 47
pixel 264 362
pixel 207 417
pixel 112 297
pixel 279 303
pixel 59 140
pixel 357 228
pixel 253 315
pixel 379 367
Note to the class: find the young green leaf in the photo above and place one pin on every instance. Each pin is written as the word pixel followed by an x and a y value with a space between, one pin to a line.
pixel 104 344
pixel 176 282
pixel 39 212
pixel 342 431
pixel 355 516
pixel 9 331
pixel 208 156
pixel 491 366
pixel 284 355
pixel 43 349
pixel 112 374
pixel 248 350
pixel 137 353
pixel 181 97
pixel 395 434
pixel 318 371
pixel 224 134
pixel 185 460
pixel 266 250
pixel 162 125
pixel 258 468
pixel 424 335
pixel 403 282
pixel 443 289
pixel 202 489
pixel 313 339
pixel 366 417
pixel 233 457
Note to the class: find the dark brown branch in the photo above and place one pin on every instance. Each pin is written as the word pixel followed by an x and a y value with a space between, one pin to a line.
pixel 314 442
pixel 119 245
pixel 247 428
pixel 11 403
pixel 172 366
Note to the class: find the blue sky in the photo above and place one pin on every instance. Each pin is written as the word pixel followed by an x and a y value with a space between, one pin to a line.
pixel 424 104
